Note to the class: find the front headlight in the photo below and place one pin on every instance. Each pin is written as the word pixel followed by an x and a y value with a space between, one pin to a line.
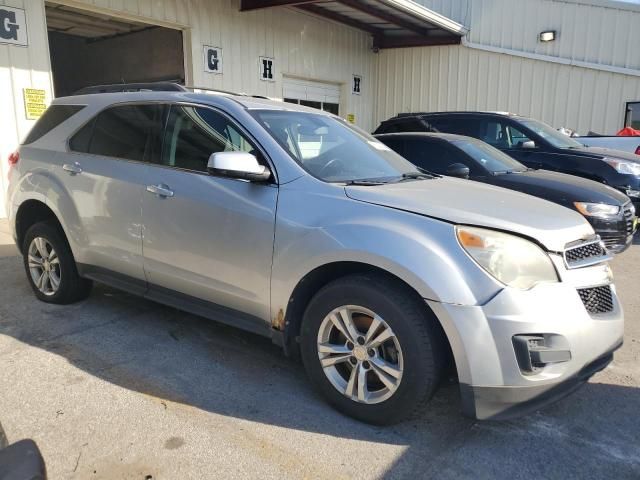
pixel 628 168
pixel 597 209
pixel 512 260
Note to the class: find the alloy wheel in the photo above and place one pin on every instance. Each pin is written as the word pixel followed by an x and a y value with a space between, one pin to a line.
pixel 44 266
pixel 360 354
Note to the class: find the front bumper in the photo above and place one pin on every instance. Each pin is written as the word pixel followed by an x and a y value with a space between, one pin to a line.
pixel 492 383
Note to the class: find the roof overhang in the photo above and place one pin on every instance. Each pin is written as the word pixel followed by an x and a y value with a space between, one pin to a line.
pixel 392 23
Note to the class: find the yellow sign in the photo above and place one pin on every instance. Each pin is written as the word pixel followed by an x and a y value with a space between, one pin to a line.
pixel 34 105
pixel 351 117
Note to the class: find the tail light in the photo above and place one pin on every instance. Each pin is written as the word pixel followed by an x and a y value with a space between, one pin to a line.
pixel 14 158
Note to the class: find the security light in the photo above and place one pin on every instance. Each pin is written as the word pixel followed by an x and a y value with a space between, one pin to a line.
pixel 548 36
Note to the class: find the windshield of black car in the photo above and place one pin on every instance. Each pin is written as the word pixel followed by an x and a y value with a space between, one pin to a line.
pixel 489 157
pixel 550 134
pixel 332 150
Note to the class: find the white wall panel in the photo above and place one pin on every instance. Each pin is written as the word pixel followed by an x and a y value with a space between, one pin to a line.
pixel 460 78
pixel 604 32
pixel 21 67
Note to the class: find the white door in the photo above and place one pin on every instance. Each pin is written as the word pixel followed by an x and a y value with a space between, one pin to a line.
pixel 321 95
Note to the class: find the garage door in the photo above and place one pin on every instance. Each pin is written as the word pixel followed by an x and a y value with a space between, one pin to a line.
pixel 324 96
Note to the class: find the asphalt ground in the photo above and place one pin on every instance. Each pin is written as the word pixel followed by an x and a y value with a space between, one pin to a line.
pixel 117 387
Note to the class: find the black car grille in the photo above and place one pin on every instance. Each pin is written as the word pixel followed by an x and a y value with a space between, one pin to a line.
pixel 597 299
pixel 584 252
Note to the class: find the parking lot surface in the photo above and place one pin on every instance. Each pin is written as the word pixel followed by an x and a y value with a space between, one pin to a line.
pixel 117 387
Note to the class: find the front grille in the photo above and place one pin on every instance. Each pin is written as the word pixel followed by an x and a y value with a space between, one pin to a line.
pixel 587 251
pixel 597 299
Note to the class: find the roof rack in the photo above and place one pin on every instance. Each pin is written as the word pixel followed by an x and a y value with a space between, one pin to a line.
pixel 152 87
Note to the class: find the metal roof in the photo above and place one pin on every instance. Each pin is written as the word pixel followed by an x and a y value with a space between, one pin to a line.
pixel 392 23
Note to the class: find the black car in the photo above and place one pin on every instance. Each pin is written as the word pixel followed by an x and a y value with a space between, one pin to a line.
pixel 533 143
pixel 610 212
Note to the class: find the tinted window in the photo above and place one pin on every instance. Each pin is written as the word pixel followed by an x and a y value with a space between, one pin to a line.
pixel 80 141
pixel 194 133
pixel 460 126
pixel 125 131
pixel 435 156
pixel 52 117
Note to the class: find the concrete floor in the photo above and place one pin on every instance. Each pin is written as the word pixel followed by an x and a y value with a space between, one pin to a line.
pixel 121 388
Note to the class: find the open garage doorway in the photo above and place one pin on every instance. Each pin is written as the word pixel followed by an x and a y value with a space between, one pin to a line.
pixel 89 48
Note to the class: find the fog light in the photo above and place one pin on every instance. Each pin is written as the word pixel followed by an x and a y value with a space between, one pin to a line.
pixel 533 353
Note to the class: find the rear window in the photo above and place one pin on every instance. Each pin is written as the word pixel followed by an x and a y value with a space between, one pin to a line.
pixel 125 131
pixel 52 117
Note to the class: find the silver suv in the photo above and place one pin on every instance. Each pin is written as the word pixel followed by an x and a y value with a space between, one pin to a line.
pixel 291 223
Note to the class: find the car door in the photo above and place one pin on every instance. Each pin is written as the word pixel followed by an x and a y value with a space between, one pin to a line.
pixel 205 237
pixel 105 174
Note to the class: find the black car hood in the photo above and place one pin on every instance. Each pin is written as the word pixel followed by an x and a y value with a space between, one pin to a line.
pixel 598 152
pixel 558 187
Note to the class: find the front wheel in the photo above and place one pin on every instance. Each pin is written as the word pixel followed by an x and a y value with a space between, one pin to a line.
pixel 371 348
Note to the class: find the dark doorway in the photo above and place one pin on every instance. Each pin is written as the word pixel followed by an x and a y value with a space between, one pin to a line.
pixel 91 49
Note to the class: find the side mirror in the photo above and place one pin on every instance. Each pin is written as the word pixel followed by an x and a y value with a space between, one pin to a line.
pixel 528 145
pixel 241 165
pixel 458 170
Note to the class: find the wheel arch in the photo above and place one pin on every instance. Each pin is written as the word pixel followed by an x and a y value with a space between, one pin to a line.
pixel 312 282
pixel 29 213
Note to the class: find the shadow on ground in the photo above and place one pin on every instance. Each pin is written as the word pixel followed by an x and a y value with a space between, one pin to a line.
pixel 148 348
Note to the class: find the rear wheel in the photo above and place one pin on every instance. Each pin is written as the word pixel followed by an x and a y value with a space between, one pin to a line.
pixel 371 348
pixel 50 266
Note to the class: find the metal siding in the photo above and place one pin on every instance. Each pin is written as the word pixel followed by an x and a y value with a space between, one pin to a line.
pixel 461 78
pixel 21 67
pixel 601 32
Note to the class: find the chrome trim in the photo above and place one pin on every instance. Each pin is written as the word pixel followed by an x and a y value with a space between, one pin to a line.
pixel 587 262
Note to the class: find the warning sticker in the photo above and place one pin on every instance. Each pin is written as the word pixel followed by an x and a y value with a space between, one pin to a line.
pixel 34 105
pixel 351 118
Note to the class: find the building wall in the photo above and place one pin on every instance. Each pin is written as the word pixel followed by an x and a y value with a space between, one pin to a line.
pixel 21 67
pixel 599 31
pixel 461 78
pixel 303 46
pixel 582 80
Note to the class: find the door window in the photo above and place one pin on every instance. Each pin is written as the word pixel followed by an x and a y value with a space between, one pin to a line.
pixel 632 117
pixel 502 135
pixel 459 126
pixel 131 132
pixel 194 133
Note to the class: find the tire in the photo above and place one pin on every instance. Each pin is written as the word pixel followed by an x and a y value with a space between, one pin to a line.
pixel 420 357
pixel 70 287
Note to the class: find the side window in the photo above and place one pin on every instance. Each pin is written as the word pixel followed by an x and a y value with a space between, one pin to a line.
pixel 194 133
pixel 516 137
pixel 495 134
pixel 435 156
pixel 459 126
pixel 131 132
pixel 395 144
pixel 52 117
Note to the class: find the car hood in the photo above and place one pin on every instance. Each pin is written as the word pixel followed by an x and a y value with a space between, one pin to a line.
pixel 471 203
pixel 559 187
pixel 607 152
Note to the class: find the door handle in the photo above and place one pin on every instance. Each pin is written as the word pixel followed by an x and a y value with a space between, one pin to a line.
pixel 73 168
pixel 161 190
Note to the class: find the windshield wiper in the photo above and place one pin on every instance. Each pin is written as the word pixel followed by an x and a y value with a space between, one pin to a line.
pixel 366 183
pixel 417 176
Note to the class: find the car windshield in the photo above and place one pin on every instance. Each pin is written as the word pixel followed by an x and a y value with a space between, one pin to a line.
pixel 331 149
pixel 550 134
pixel 489 157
